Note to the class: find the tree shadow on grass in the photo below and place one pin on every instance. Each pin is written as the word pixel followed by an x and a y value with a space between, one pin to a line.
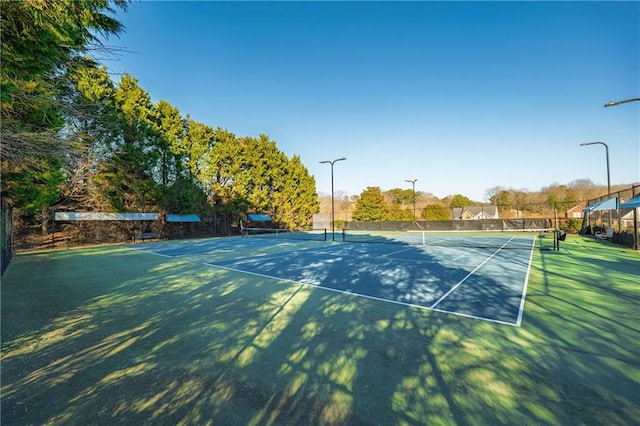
pixel 184 343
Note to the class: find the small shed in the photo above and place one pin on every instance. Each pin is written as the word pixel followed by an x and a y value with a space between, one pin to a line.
pixel 255 217
pixel 181 225
pixel 182 218
pixel 257 221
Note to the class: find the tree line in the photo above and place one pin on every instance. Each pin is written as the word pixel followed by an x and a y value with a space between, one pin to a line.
pixel 396 204
pixel 74 139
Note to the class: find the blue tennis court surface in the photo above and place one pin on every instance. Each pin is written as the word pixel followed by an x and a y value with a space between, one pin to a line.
pixel 487 283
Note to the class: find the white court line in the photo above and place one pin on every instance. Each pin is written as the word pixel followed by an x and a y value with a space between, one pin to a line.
pixel 366 296
pixel 379 299
pixel 360 256
pixel 269 256
pixel 464 254
pixel 476 317
pixel 524 288
pixel 469 275
pixel 395 252
pixel 243 259
pixel 151 252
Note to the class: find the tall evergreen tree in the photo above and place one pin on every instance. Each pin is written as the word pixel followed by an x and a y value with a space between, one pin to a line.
pixel 41 43
pixel 97 131
pixel 295 199
pixel 371 205
pixel 196 149
pixel 170 129
pixel 126 178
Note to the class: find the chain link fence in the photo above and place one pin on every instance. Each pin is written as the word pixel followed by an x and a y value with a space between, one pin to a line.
pixel 6 234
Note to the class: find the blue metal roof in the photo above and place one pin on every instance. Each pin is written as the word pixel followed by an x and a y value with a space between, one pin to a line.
pixel 609 204
pixel 259 217
pixel 632 203
pixel 182 218
pixel 70 216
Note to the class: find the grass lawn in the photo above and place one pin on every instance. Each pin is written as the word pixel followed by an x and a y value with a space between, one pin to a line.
pixel 109 335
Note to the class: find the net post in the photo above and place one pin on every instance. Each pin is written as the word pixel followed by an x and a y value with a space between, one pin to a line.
pixel 53 236
pixel 556 232
pixel 325 234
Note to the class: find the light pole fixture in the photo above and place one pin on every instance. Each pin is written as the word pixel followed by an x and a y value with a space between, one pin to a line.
pixel 606 148
pixel 333 211
pixel 413 182
pixel 614 103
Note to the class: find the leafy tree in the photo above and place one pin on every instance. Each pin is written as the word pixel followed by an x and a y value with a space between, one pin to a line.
pixel 67 127
pixel 215 160
pixel 178 188
pixel 520 199
pixel 399 196
pixel 560 197
pixel 35 188
pixel 295 199
pixel 396 212
pixel 96 131
pixel 170 128
pixel 397 199
pixel 126 178
pixel 183 196
pixel 243 174
pixel 553 201
pixel 459 200
pixel 556 202
pixel 491 192
pixel 266 168
pixel 273 183
pixel 196 149
pixel 371 206
pixel 42 43
pixel 435 212
pixel 502 199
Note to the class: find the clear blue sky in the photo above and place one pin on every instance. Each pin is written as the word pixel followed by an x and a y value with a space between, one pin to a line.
pixel 461 96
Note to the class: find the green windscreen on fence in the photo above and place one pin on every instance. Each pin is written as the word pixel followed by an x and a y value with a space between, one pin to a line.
pixel 292 234
pixel 534 224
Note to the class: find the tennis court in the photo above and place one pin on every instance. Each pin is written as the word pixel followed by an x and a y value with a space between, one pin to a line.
pixel 243 331
pixel 479 276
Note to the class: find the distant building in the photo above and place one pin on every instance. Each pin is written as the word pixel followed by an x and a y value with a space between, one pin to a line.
pixel 576 212
pixel 475 213
pixel 627 220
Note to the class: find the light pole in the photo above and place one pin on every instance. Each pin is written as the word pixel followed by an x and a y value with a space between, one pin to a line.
pixel 614 103
pixel 635 211
pixel 606 148
pixel 333 211
pixel 413 182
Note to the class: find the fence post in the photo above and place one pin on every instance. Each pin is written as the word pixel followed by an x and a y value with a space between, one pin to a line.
pixel 53 236
pixel 636 246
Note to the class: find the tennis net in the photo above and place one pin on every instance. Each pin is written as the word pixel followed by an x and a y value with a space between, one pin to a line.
pixel 292 234
pixel 544 238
